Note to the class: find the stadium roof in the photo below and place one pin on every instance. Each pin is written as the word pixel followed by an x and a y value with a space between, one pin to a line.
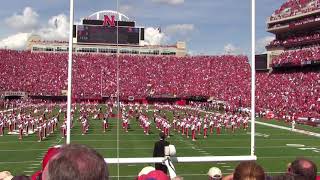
pixel 99 15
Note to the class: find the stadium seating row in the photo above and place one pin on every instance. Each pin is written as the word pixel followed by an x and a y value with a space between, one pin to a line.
pixel 289 93
pixel 295 7
pixel 296 40
pixel 298 57
pixel 224 77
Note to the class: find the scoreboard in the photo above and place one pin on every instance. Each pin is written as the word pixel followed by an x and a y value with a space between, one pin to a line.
pixel 261 62
pixel 108 34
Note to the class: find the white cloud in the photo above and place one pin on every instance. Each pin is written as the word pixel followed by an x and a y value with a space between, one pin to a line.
pixel 56 29
pixel 153 36
pixel 180 29
pixel 262 42
pixel 125 9
pixel 17 41
pixel 24 22
pixel 171 2
pixel 231 49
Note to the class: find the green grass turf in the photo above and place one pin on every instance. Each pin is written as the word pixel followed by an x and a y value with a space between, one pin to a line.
pixel 24 157
pixel 297 126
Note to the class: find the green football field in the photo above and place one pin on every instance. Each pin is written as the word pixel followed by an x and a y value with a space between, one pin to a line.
pixel 273 148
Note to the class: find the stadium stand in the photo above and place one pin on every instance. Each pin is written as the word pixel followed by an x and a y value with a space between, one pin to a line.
pixel 289 92
pixel 298 57
pixel 223 77
pixel 295 7
pixel 290 85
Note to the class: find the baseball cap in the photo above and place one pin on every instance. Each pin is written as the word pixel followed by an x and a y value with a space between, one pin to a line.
pixel 215 173
pixel 146 170
pixel 50 153
pixel 5 175
pixel 154 175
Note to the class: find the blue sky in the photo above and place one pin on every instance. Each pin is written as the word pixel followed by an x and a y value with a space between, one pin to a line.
pixel 264 9
pixel 208 26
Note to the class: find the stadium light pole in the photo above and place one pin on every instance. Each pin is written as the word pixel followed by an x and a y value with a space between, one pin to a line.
pixel 253 77
pixel 69 95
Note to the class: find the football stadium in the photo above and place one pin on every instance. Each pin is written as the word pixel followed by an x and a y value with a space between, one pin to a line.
pixel 96 105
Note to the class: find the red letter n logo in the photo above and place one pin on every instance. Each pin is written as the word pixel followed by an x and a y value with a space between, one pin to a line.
pixel 108 21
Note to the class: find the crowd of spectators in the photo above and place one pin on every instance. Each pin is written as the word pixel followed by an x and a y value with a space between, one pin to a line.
pixel 289 93
pixel 224 77
pixel 296 39
pixel 298 57
pixel 70 162
pixel 295 7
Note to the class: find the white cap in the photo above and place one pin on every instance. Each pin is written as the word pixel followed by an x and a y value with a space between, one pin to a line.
pixel 5 174
pixel 146 170
pixel 215 172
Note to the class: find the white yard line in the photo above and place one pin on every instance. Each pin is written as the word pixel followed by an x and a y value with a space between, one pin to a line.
pixel 148 148
pixel 289 129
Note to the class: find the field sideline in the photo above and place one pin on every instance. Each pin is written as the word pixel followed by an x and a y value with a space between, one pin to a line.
pixel 273 148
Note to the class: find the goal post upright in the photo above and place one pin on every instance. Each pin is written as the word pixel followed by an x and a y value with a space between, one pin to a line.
pixel 69 93
pixel 253 78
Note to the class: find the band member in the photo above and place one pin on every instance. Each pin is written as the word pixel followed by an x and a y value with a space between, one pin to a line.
pixel 1 128
pixel 193 130
pixel 211 124
pixel 84 124
pixel 147 127
pixel 44 129
pixel 26 125
pixel 218 128
pixel 64 130
pixel 199 127
pixel 125 124
pixel 105 125
pixel 10 125
pixel 40 132
pixel 233 126
pixel 245 123
pixel 182 124
pixel 205 129
pixel 20 126
pixel 174 124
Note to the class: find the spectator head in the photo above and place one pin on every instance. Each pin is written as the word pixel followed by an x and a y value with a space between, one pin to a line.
pixel 249 170
pixel 162 135
pixel 214 173
pixel 303 167
pixel 76 162
pixel 154 175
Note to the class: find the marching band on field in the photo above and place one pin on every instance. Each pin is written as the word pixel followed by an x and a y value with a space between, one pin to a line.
pixel 185 122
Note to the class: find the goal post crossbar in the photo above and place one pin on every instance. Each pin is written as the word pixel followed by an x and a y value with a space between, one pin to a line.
pixel 200 159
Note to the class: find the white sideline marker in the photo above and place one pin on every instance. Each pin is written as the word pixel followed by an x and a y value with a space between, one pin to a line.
pixel 295 145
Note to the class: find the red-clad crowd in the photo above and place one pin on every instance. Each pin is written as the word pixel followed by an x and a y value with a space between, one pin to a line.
pixel 298 57
pixel 296 40
pixel 289 93
pixel 224 77
pixel 295 7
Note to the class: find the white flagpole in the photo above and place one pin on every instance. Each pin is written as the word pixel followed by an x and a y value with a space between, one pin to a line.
pixel 253 76
pixel 69 103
